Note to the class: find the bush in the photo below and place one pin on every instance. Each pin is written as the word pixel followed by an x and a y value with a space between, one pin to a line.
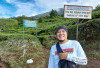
pixel 95 54
pixel 3 38
pixel 96 14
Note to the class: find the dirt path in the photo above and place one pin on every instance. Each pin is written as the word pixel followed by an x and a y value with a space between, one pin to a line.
pixel 47 52
pixel 4 64
pixel 93 63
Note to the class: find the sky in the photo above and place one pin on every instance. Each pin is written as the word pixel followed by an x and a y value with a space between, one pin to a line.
pixel 14 8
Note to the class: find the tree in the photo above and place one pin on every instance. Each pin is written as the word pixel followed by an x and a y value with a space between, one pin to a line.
pixel 40 19
pixel 53 13
pixel 21 18
pixel 97 8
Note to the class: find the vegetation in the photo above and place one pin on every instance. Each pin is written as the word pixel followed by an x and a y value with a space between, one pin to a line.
pixel 11 38
pixel 53 13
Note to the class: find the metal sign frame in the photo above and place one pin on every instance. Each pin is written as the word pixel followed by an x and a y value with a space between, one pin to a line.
pixel 79 9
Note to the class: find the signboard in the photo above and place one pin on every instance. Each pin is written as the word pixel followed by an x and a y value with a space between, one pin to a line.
pixel 29 23
pixel 80 12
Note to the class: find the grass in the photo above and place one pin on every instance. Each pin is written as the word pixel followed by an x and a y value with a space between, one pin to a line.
pixel 15 36
pixel 95 45
pixel 13 55
pixel 93 49
pixel 11 37
pixel 95 54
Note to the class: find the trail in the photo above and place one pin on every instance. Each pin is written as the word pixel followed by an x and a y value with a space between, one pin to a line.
pixel 4 64
pixel 92 62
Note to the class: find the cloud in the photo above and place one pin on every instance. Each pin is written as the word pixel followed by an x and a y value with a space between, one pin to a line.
pixel 4 16
pixel 4 12
pixel 34 7
pixel 93 3
pixel 55 4
pixel 49 4
pixel 23 8
pixel 9 1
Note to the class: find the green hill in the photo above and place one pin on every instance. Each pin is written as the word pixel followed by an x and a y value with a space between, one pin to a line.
pixel 13 28
pixel 11 38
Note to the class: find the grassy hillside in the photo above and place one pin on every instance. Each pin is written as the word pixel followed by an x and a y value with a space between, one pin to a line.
pixel 11 39
pixel 88 30
pixel 9 28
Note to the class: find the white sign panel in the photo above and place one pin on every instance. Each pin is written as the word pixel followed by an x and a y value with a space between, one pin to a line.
pixel 81 12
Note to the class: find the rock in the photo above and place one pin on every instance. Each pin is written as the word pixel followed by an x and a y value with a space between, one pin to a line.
pixel 29 61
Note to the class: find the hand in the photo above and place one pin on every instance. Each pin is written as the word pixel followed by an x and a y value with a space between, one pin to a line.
pixel 63 55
